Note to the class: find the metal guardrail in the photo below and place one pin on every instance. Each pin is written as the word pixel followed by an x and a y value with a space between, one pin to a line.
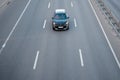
pixel 110 16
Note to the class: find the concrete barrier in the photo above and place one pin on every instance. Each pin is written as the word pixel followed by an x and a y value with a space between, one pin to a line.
pixel 110 16
pixel 4 2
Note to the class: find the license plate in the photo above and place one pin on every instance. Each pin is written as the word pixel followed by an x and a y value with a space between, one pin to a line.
pixel 60 26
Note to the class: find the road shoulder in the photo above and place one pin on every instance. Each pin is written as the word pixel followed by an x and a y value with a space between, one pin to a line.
pixel 114 40
pixel 4 2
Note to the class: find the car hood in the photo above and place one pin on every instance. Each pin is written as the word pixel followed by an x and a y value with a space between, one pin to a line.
pixel 60 21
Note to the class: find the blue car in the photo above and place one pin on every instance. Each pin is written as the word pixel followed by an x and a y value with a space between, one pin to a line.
pixel 60 20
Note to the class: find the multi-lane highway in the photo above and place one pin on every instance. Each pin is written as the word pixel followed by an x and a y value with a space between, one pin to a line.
pixel 31 50
pixel 114 6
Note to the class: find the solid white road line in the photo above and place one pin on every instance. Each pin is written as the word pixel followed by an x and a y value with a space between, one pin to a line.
pixel 36 59
pixel 15 26
pixel 113 52
pixel 75 23
pixel 49 5
pixel 71 4
pixel 3 45
pixel 44 23
pixel 81 58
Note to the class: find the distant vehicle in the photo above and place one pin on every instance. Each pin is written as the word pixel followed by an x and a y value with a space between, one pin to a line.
pixel 60 20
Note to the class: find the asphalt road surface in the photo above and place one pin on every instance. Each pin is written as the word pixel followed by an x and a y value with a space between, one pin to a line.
pixel 114 5
pixel 31 50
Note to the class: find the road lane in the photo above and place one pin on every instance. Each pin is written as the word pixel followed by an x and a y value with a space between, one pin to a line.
pixel 99 60
pixel 9 16
pixel 96 37
pixel 59 50
pixel 14 27
pixel 16 60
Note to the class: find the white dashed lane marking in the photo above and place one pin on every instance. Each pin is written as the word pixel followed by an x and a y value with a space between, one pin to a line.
pixel 44 23
pixel 49 5
pixel 36 59
pixel 75 23
pixel 71 4
pixel 81 57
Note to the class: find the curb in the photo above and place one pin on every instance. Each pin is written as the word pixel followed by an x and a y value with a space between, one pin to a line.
pixel 115 23
pixel 6 2
pixel 93 6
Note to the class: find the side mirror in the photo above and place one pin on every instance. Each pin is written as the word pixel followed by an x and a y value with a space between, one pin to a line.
pixel 68 17
pixel 52 17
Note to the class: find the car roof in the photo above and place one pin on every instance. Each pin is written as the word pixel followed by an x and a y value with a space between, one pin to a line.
pixel 60 11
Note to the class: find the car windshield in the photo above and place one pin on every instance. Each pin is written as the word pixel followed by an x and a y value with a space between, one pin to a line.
pixel 60 16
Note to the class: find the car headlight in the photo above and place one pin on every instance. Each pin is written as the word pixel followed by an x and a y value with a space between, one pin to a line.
pixel 53 23
pixel 67 22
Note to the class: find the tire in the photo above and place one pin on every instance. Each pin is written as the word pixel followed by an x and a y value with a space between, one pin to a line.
pixel 67 28
pixel 53 28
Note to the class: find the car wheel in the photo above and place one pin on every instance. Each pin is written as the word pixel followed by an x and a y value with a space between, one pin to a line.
pixel 53 28
pixel 67 28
